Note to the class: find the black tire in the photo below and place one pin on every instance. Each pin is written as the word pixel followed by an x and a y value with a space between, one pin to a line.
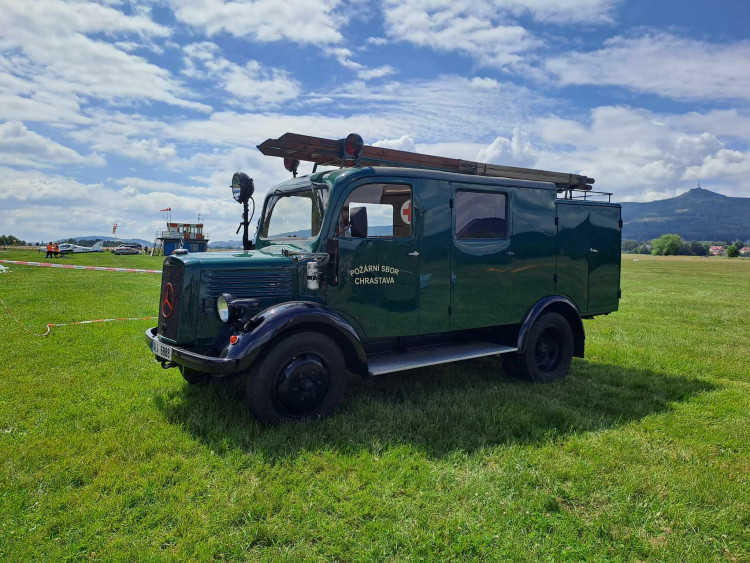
pixel 194 377
pixel 303 376
pixel 548 354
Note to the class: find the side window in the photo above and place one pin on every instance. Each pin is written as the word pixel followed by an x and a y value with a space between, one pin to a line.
pixel 389 210
pixel 481 215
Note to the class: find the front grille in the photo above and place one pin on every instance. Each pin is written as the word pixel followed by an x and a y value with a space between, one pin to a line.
pixel 172 274
pixel 249 283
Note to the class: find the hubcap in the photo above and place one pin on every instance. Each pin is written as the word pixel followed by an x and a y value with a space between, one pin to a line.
pixel 302 385
pixel 548 351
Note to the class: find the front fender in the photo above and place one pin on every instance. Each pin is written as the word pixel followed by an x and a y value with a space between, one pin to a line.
pixel 272 323
pixel 558 304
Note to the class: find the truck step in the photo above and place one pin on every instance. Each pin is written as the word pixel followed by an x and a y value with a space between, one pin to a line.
pixel 432 355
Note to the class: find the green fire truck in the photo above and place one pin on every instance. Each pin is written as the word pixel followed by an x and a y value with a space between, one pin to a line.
pixel 393 261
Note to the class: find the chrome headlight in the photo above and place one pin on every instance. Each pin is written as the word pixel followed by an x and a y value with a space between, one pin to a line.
pixel 222 306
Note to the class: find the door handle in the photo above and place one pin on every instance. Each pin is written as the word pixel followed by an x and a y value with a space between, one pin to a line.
pixel 510 253
pixel 415 254
pixel 593 250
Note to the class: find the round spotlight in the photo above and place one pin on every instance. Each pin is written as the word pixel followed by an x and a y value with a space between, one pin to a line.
pixel 242 187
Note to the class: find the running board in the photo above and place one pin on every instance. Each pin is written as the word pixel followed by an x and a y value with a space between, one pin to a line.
pixel 432 355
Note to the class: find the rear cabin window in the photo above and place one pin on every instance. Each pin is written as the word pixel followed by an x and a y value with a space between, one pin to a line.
pixel 481 215
pixel 389 210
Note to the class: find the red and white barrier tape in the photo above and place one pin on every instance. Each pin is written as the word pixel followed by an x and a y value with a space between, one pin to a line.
pixel 104 321
pixel 50 325
pixel 78 267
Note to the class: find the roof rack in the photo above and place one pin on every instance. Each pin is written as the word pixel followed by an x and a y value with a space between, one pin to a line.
pixel 330 152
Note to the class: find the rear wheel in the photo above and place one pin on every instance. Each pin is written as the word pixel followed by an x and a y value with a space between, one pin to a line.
pixel 303 376
pixel 549 351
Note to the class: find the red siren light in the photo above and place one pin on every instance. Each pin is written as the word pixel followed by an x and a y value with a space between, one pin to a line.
pixel 291 164
pixel 353 145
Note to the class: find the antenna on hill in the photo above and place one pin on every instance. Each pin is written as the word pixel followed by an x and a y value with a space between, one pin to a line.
pixel 699 183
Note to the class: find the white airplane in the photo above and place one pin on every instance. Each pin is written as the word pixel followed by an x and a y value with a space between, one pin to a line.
pixel 68 248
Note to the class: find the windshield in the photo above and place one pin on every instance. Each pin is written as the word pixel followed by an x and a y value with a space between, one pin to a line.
pixel 297 213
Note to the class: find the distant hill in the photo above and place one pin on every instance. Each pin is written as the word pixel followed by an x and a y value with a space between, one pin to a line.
pixel 698 214
pixel 225 244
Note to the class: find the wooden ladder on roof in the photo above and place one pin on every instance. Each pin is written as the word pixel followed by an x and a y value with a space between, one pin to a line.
pixel 329 152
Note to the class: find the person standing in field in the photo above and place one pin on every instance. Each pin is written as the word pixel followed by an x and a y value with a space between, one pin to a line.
pixel 56 250
pixel 49 250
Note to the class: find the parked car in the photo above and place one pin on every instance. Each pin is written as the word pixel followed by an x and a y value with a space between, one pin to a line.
pixel 128 249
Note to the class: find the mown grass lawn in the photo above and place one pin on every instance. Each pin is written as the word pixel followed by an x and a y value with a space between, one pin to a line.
pixel 643 452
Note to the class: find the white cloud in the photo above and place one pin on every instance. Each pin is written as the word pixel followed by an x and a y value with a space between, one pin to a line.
pixel 344 58
pixel 315 22
pixel 250 83
pixel 22 99
pixel 466 27
pixel 377 72
pixel 403 143
pixel 721 122
pixel 21 147
pixel 53 50
pixel 722 164
pixel 557 12
pixel 637 154
pixel 447 107
pixel 662 64
pixel 72 208
pixel 126 134
pixel 146 150
pixel 376 41
pixel 486 83
pixel 486 30
pixel 513 151
pixel 147 185
pixel 633 152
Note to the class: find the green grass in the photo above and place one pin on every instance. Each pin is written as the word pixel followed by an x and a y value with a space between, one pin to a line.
pixel 641 453
pixel 87 259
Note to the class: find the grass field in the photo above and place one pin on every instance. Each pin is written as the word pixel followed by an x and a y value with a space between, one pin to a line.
pixel 643 452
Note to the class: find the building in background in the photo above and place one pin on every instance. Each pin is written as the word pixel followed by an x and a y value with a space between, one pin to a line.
pixel 189 236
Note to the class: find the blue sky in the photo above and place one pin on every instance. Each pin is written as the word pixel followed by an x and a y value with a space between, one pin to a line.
pixel 111 111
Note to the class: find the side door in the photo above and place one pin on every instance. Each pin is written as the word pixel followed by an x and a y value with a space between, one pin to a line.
pixel 481 269
pixel 435 241
pixel 378 274
pixel 573 249
pixel 604 258
pixel 588 258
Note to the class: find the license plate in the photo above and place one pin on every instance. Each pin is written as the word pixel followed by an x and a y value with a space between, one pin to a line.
pixel 161 350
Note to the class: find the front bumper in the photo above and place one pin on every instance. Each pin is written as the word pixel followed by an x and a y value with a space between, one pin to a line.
pixel 198 362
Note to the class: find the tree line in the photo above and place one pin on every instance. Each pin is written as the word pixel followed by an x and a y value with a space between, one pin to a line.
pixel 10 240
pixel 673 245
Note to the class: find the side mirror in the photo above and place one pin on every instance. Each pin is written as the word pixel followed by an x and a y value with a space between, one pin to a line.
pixel 358 222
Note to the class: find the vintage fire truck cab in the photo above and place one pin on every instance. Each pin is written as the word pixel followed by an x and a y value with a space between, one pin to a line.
pixel 377 269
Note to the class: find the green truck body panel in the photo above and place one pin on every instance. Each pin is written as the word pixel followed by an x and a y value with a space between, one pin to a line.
pixel 588 262
pixel 432 281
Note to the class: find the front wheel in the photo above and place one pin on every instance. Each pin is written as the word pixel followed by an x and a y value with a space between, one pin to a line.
pixel 194 377
pixel 303 376
pixel 549 351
